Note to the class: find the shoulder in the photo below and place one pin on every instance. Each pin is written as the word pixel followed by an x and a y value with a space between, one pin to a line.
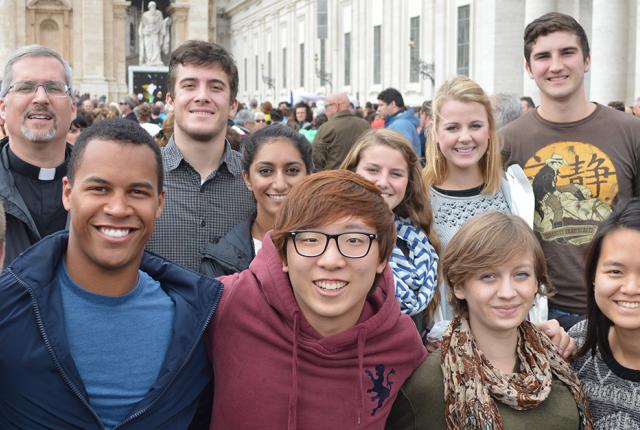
pixel 420 402
pixel 579 332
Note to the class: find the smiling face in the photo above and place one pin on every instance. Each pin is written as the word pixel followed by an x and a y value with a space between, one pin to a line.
pixel 387 168
pixel 37 118
pixel 557 64
pixel 331 289
pixel 276 167
pixel 617 280
pixel 463 135
pixel 201 103
pixel 113 210
pixel 498 299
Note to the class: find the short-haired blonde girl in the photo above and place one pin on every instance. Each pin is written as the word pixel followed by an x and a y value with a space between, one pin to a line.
pixel 495 370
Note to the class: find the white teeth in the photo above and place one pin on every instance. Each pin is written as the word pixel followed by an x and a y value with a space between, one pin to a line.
pixel 39 116
pixel 277 197
pixel 630 305
pixel 464 150
pixel 114 232
pixel 331 285
pixel 202 113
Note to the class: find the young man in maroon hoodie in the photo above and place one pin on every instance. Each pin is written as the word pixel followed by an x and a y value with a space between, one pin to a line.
pixel 311 335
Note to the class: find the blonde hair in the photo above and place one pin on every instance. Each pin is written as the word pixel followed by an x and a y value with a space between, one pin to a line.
pixel 485 241
pixel 464 90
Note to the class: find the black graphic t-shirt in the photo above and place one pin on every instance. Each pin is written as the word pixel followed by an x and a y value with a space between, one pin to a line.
pixel 578 171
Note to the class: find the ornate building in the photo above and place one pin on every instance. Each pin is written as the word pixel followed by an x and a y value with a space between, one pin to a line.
pixel 98 37
pixel 364 46
pixel 319 46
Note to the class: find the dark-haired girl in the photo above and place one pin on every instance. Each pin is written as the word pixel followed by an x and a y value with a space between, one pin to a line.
pixel 608 361
pixel 274 159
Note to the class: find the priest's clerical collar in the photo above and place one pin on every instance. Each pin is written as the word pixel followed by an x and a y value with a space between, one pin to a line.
pixel 34 172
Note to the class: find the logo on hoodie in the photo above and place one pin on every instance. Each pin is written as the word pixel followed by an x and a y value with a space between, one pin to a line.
pixel 380 386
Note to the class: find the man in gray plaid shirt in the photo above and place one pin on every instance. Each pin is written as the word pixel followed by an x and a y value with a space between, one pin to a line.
pixel 205 193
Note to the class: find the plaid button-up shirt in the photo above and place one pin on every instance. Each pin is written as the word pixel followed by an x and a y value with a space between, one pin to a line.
pixel 196 213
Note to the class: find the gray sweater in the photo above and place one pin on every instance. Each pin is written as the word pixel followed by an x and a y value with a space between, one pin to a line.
pixel 613 390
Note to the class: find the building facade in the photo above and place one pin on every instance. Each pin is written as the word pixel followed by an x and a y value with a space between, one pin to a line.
pixel 321 46
pixel 99 38
pixel 364 46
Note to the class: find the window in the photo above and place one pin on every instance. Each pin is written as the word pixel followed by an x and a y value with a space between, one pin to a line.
pixel 257 73
pixel 269 64
pixel 414 50
pixel 322 19
pixel 463 40
pixel 302 64
pixel 323 57
pixel 347 58
pixel 284 67
pixel 246 72
pixel 377 53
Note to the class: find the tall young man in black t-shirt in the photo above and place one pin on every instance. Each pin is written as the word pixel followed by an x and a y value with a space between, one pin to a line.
pixel 581 157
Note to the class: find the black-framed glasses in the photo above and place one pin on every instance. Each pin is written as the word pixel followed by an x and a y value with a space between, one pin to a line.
pixel 29 88
pixel 315 243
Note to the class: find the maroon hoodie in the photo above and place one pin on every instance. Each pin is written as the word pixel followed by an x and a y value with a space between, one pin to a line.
pixel 272 370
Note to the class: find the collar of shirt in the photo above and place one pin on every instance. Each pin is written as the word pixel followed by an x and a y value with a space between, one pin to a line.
pixel 171 156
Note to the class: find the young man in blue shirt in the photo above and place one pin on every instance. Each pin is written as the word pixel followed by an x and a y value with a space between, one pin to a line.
pixel 94 332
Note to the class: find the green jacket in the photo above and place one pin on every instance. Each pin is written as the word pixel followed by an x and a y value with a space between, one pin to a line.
pixel 335 139
pixel 420 405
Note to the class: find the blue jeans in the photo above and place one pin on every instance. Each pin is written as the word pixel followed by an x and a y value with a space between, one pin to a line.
pixel 565 318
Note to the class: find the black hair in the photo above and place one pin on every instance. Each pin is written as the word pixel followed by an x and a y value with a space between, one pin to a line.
pixel 81 121
pixel 392 95
pixel 626 215
pixel 529 101
pixel 118 130
pixel 276 115
pixel 276 131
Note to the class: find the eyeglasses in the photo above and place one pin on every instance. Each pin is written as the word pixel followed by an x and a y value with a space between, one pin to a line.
pixel 29 88
pixel 315 243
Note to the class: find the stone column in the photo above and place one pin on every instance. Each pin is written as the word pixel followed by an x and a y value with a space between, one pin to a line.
pixel 119 54
pixel 608 51
pixel 179 12
pixel 7 22
pixel 92 79
pixel 534 9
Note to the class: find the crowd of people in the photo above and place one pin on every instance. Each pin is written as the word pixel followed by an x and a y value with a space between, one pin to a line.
pixel 199 263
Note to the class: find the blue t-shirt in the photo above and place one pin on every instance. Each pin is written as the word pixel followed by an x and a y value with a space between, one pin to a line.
pixel 117 343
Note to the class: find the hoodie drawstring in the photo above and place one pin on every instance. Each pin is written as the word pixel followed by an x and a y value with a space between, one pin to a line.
pixel 362 336
pixel 293 398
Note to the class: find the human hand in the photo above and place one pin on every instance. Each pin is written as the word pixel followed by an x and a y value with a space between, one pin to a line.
pixel 565 344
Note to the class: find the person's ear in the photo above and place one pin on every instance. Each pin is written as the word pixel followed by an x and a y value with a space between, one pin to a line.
pixel 245 178
pixel 458 291
pixel 66 194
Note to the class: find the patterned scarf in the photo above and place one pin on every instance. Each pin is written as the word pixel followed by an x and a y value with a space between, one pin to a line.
pixel 416 276
pixel 471 383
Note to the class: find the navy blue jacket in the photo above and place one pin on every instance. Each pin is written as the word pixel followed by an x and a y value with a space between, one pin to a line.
pixel 40 387
pixel 231 253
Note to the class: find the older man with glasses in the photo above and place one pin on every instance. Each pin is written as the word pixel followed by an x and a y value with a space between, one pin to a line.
pixel 37 108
